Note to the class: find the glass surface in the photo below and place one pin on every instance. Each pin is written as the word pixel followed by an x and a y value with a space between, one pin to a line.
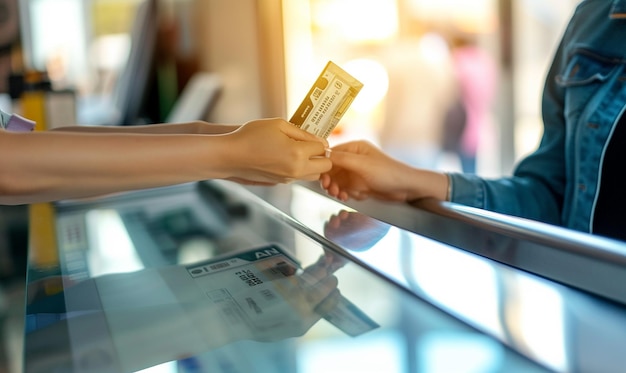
pixel 561 328
pixel 209 278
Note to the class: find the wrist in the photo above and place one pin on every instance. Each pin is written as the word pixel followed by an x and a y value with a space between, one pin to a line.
pixel 214 158
pixel 428 184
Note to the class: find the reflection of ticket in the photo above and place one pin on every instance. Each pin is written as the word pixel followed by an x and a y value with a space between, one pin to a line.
pixel 253 288
pixel 327 101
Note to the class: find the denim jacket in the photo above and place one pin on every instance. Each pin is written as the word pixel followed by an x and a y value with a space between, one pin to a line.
pixel 583 98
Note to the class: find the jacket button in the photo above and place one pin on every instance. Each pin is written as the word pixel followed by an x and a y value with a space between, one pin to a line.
pixel 582 187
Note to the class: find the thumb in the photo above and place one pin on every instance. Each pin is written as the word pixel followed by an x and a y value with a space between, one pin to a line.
pixel 297 133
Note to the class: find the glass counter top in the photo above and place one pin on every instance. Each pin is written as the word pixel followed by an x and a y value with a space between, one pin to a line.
pixel 210 277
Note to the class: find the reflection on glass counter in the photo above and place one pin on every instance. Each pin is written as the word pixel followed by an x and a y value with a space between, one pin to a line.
pixel 541 319
pixel 209 277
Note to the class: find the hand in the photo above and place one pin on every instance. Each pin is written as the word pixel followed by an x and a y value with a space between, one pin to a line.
pixel 271 151
pixel 306 297
pixel 354 231
pixel 361 170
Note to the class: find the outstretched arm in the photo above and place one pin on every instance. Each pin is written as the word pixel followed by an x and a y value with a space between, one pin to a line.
pixel 361 170
pixel 53 165
pixel 197 127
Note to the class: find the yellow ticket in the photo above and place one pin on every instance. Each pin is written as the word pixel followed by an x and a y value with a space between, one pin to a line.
pixel 327 101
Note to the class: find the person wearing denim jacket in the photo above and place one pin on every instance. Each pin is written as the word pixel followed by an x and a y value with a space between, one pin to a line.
pixel 583 99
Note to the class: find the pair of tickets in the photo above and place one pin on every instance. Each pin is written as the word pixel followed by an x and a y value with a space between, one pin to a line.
pixel 327 101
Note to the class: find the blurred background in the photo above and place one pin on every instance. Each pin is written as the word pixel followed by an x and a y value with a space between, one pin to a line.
pixel 448 84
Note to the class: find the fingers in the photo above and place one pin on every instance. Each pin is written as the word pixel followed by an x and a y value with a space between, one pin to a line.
pixel 324 181
pixel 329 303
pixel 349 166
pixel 343 196
pixel 312 149
pixel 356 167
pixel 283 153
pixel 322 290
pixel 301 135
pixel 332 189
pixel 359 195
pixel 316 167
pixel 357 147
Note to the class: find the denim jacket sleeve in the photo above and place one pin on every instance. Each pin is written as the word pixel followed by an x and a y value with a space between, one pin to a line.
pixel 556 183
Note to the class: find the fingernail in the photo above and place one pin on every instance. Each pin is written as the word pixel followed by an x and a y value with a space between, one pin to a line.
pixel 327 152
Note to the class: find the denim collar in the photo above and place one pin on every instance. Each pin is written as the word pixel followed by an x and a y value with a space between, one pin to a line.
pixel 618 10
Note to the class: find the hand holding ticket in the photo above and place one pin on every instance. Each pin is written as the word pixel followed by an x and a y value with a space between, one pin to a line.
pixel 327 101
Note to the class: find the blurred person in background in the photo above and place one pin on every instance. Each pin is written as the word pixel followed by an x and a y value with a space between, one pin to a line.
pixel 421 88
pixel 476 76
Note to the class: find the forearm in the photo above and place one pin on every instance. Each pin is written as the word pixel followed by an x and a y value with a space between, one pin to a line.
pixel 58 165
pixel 197 127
